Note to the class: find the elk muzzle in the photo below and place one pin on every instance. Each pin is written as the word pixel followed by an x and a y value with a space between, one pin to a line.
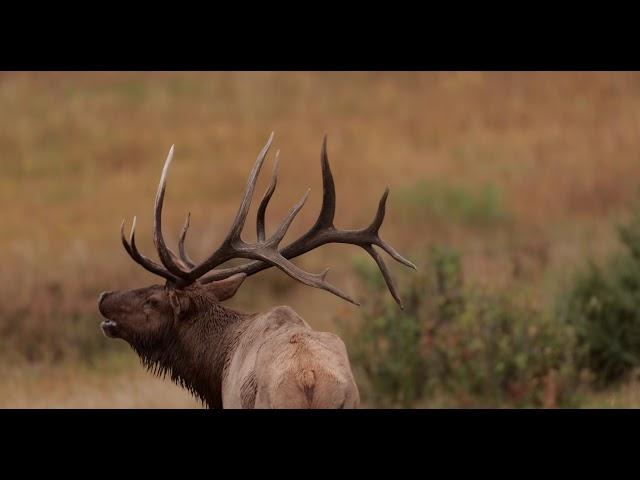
pixel 108 325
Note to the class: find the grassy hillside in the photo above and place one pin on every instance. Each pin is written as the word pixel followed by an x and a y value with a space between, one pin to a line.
pixel 526 173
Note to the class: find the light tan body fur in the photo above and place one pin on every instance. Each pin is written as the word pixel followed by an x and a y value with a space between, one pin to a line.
pixel 280 362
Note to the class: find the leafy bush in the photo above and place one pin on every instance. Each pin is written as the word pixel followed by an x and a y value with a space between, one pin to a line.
pixel 452 346
pixel 603 304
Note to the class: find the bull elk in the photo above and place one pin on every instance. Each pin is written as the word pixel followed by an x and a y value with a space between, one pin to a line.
pixel 230 359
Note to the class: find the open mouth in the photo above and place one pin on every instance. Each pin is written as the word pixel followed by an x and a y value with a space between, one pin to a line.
pixel 109 328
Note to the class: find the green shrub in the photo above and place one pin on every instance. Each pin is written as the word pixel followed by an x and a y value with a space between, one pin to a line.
pixel 387 350
pixel 498 352
pixel 603 304
pixel 453 346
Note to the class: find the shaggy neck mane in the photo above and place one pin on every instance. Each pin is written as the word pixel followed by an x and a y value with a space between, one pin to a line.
pixel 196 351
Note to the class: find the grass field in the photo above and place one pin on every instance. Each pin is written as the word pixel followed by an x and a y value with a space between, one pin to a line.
pixel 526 173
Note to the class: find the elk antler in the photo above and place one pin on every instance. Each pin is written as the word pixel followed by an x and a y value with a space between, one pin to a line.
pixel 183 271
pixel 324 231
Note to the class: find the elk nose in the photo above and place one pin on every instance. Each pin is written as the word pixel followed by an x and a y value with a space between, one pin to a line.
pixel 102 296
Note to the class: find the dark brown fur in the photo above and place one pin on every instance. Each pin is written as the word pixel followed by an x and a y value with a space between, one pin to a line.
pixel 192 349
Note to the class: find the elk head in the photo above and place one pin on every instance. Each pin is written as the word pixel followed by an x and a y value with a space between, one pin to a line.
pixel 151 314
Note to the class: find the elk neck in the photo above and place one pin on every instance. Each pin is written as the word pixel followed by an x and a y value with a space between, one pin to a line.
pixel 197 352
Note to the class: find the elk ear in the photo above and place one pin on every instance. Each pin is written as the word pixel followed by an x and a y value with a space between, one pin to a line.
pixel 180 303
pixel 227 288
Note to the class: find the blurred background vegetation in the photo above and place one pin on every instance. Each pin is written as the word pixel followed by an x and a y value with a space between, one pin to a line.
pixel 515 194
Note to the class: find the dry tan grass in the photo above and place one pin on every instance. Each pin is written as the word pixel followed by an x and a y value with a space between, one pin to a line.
pixel 622 396
pixel 71 386
pixel 82 151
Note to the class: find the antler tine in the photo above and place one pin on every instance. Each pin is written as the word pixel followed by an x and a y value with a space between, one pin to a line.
pixel 374 227
pixel 328 209
pixel 317 280
pixel 125 244
pixel 226 251
pixel 266 197
pixel 166 256
pixel 243 211
pixel 279 234
pixel 145 262
pixel 385 274
pixel 184 256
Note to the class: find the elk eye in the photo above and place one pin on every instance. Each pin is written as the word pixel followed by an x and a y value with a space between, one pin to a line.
pixel 153 302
